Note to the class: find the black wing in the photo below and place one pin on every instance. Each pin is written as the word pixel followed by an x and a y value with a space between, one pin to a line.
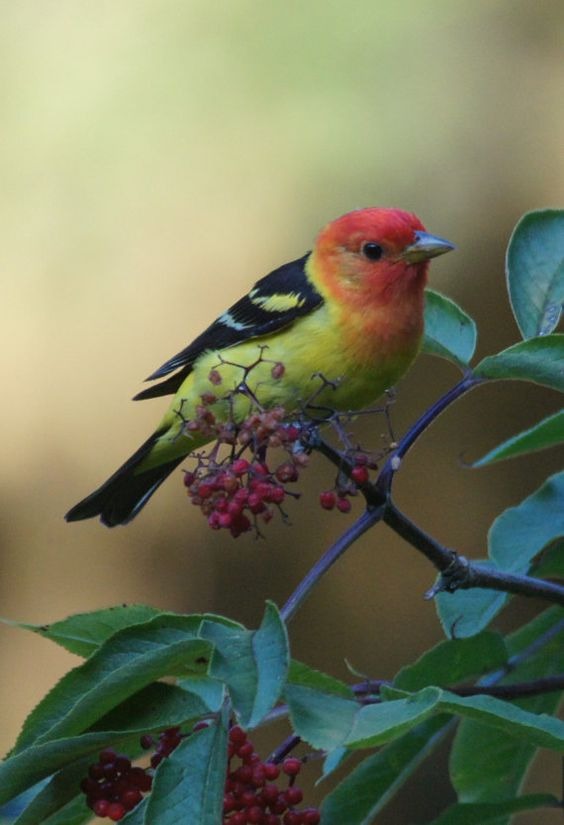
pixel 274 302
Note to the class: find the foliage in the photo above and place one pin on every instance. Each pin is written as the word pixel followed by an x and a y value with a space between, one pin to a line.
pixel 200 683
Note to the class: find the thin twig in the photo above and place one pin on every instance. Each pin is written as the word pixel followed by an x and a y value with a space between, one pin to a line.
pixel 368 519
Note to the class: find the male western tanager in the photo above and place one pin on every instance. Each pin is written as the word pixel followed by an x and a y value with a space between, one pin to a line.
pixel 351 310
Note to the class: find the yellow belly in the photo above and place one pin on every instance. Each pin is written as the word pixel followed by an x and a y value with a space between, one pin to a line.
pixel 317 371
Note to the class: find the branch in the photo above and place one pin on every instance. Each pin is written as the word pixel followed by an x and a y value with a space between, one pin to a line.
pixel 457 573
pixel 384 481
pixel 519 690
pixel 370 517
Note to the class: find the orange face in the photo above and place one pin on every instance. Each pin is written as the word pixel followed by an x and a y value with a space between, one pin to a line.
pixel 374 253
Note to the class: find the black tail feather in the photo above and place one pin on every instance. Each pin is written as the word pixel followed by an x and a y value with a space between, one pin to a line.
pixel 124 494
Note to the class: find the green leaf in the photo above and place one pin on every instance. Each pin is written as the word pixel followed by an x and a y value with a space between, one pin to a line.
pixel 489 765
pixel 137 815
pixel 376 724
pixel 85 632
pixel 520 533
pixel 189 785
pixel 322 709
pixel 253 664
pixel 60 792
pixel 75 812
pixel 25 769
pixel 546 433
pixel 464 814
pixel 516 537
pixel 155 707
pixel 449 332
pixel 550 564
pixel 127 662
pixel 454 661
pixel 370 786
pixel 535 271
pixel 466 612
pixel 540 360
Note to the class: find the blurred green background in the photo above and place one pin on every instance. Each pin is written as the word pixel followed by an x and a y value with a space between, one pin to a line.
pixel 156 158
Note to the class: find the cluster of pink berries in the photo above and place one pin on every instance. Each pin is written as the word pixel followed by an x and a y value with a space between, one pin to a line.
pixel 114 786
pixel 251 795
pixel 235 493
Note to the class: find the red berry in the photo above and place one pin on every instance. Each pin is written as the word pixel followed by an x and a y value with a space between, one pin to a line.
pixel 245 750
pixel 291 766
pixel 278 370
pixel 240 466
pixel 277 494
pixel 100 807
pixel 270 793
pixel 294 795
pixel 237 735
pixel 146 741
pixel 131 798
pixel 311 816
pixel 255 815
pixel 343 505
pixel 287 472
pixel 214 377
pixel 292 818
pixel 107 755
pixel 116 811
pixel 271 770
pixel 96 771
pixel 327 500
pixel 359 475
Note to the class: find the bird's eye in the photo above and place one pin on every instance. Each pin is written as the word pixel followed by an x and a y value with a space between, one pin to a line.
pixel 372 251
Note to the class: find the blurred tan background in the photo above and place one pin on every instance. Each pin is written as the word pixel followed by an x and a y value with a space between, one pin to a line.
pixel 156 158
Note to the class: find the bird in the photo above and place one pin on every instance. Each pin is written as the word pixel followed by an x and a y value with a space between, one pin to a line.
pixel 351 310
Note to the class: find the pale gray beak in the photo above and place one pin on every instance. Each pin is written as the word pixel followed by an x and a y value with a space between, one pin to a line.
pixel 426 246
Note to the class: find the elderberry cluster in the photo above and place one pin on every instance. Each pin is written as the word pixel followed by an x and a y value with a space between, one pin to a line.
pixel 251 795
pixel 236 493
pixel 114 786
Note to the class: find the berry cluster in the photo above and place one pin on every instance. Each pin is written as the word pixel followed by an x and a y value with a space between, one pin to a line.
pixel 234 493
pixel 113 786
pixel 251 795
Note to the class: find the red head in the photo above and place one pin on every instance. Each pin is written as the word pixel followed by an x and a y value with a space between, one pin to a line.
pixel 375 255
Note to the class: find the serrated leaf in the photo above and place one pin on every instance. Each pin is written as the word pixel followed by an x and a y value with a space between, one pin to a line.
pixel 85 632
pixel 189 785
pixel 253 664
pixel 127 662
pixel 376 724
pixel 449 332
pixel 547 433
pixel 535 271
pixel 489 765
pixel 465 814
pixel 57 795
pixel 322 709
pixel 454 661
pixel 370 786
pixel 540 360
